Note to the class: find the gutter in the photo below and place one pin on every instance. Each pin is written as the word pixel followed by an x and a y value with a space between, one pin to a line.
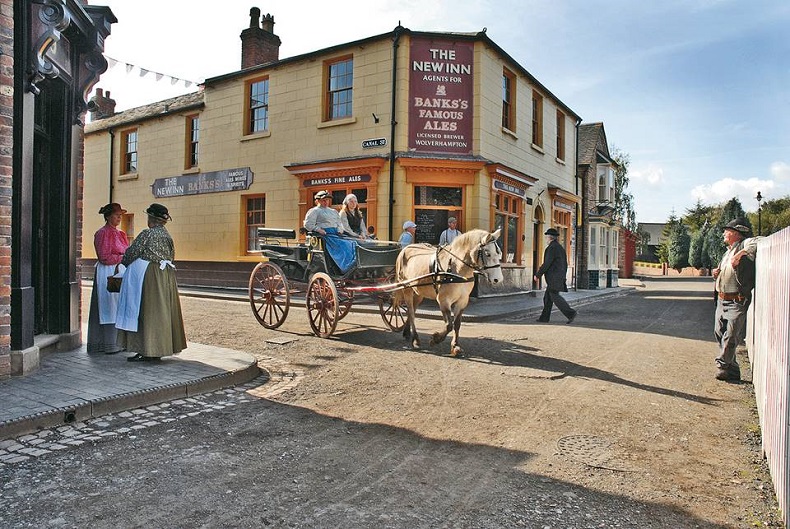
pixel 391 201
pixel 580 231
pixel 112 155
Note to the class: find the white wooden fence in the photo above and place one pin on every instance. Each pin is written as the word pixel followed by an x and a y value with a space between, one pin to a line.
pixel 769 350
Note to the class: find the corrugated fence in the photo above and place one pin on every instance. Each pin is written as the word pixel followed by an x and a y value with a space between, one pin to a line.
pixel 769 349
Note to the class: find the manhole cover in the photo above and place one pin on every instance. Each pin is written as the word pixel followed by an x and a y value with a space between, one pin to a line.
pixel 591 450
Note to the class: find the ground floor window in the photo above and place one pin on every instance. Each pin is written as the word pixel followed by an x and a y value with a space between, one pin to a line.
pixel 433 205
pixel 254 218
pixel 507 217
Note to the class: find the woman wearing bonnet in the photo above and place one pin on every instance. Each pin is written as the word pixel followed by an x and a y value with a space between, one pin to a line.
pixel 149 317
pixel 110 244
pixel 351 218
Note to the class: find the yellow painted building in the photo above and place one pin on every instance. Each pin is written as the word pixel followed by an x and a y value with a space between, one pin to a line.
pixel 471 132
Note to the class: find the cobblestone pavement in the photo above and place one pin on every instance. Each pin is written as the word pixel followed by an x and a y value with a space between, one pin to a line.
pixel 278 377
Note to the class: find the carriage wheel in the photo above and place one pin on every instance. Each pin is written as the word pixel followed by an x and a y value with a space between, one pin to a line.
pixel 344 303
pixel 394 315
pixel 269 295
pixel 322 305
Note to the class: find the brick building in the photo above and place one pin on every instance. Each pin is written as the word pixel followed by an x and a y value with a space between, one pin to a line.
pixel 600 238
pixel 50 57
pixel 419 125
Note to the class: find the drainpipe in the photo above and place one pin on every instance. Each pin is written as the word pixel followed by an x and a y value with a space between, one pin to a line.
pixel 580 232
pixel 112 153
pixel 391 203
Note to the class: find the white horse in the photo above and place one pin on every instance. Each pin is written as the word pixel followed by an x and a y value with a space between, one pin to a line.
pixel 447 275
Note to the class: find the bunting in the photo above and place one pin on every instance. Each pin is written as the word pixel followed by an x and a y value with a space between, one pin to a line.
pixel 112 63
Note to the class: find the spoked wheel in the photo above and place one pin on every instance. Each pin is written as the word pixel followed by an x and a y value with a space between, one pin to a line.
pixel 344 303
pixel 393 314
pixel 269 295
pixel 322 305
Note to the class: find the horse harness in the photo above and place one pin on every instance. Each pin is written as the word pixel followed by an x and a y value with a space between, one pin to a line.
pixel 441 277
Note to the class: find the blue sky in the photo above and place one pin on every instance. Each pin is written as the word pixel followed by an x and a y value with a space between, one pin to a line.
pixel 696 92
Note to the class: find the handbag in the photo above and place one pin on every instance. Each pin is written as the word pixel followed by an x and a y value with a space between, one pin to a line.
pixel 113 282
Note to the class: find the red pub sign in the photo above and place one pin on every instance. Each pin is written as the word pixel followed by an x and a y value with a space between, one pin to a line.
pixel 440 96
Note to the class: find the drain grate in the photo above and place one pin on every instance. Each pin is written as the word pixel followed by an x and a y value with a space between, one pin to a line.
pixel 591 450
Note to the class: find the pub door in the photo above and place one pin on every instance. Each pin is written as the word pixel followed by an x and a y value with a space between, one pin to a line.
pixel 50 198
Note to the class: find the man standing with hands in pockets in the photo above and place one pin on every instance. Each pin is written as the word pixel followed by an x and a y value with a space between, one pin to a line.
pixel 554 267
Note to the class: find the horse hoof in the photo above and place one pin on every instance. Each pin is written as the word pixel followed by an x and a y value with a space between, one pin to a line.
pixel 415 345
pixel 457 352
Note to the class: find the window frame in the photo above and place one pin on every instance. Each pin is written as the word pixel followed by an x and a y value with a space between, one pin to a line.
pixel 560 135
pixel 514 210
pixel 247 241
pixel 537 119
pixel 250 109
pixel 129 158
pixel 330 105
pixel 508 100
pixel 192 141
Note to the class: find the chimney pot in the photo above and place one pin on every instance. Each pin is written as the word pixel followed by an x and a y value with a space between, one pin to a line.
pixel 255 14
pixel 259 45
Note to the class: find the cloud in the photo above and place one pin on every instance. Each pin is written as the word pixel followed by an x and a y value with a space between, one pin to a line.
pixel 723 190
pixel 651 175
pixel 780 171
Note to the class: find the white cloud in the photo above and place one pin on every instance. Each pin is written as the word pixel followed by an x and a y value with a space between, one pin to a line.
pixel 723 190
pixel 651 175
pixel 780 171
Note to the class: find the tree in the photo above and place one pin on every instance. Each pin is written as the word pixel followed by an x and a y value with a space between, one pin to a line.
pixel 678 246
pixel 662 250
pixel 714 242
pixel 775 216
pixel 623 200
pixel 698 216
pixel 696 247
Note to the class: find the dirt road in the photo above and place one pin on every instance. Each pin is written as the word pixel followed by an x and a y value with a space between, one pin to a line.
pixel 614 421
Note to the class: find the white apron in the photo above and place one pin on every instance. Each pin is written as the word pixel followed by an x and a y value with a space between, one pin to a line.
pixel 108 301
pixel 131 294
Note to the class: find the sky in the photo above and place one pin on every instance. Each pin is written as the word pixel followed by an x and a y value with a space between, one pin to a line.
pixel 695 92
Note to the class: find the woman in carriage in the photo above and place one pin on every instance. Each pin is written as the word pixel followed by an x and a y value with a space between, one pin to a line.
pixel 325 221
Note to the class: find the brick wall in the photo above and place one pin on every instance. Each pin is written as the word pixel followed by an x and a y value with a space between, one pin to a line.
pixel 6 173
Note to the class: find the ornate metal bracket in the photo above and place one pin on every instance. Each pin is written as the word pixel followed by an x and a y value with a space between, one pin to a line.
pixel 50 19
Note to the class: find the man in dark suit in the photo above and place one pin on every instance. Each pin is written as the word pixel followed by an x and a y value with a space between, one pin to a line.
pixel 554 267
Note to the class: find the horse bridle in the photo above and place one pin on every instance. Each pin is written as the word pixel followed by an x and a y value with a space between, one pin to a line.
pixel 481 269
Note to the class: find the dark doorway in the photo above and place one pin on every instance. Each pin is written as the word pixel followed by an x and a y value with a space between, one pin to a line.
pixel 51 189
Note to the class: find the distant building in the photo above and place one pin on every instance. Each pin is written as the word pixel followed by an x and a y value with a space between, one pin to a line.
pixel 655 232
pixel 419 125
pixel 600 237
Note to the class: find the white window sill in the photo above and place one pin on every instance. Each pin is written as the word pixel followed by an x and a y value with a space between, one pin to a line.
pixel 128 176
pixel 337 122
pixel 537 148
pixel 257 135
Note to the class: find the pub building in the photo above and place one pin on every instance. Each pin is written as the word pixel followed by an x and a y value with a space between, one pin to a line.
pixel 418 125
pixel 50 59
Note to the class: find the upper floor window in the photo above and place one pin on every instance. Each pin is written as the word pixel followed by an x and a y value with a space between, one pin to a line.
pixel 508 100
pixel 605 184
pixel 560 135
pixel 537 119
pixel 339 88
pixel 193 140
pixel 257 105
pixel 129 149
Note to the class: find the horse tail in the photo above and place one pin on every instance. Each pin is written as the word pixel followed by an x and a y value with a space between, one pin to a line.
pixel 399 295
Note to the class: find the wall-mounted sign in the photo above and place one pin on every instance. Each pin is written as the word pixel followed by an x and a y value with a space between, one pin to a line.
pixel 441 87
pixel 196 184
pixel 563 205
pixel 499 185
pixel 377 142
pixel 336 180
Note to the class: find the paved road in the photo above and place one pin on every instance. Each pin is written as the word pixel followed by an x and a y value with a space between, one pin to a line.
pixel 511 437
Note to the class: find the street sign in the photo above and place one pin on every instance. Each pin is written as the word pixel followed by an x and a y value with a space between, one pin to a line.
pixel 377 142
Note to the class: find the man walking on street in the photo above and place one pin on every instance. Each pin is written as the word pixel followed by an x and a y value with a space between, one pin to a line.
pixel 734 283
pixel 554 267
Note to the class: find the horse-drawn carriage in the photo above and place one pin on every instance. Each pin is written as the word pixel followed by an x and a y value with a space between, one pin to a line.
pixel 289 267
pixel 397 279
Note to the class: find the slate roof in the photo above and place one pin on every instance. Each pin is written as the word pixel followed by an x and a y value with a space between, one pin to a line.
pixel 160 108
pixel 592 138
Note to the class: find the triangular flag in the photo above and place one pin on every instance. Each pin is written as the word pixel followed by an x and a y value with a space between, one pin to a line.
pixel 129 67
pixel 111 62
pixel 187 84
pixel 159 76
pixel 174 80
pixel 143 72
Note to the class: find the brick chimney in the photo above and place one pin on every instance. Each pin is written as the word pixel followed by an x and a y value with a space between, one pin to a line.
pixel 259 45
pixel 101 106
